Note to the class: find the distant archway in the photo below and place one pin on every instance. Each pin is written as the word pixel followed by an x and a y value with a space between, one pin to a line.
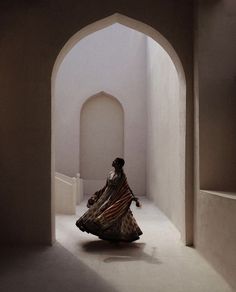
pixel 101 138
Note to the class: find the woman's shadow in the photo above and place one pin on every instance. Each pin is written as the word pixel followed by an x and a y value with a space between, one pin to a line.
pixel 121 252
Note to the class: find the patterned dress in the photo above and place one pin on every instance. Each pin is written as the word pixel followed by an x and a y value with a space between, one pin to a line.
pixel 109 216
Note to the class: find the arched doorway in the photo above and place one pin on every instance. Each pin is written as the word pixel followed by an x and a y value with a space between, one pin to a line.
pixel 101 138
pixel 186 229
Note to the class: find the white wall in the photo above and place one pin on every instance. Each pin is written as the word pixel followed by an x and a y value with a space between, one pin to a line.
pixel 110 60
pixel 101 138
pixel 165 139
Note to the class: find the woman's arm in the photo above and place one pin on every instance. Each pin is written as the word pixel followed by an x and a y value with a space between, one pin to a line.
pixel 96 196
pixel 138 204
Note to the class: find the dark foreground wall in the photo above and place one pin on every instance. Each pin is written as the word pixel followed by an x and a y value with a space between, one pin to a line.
pixel 215 230
pixel 32 34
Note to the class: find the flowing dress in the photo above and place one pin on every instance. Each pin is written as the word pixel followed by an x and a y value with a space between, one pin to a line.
pixel 110 217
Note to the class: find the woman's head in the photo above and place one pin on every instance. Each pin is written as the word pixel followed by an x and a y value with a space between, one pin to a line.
pixel 118 163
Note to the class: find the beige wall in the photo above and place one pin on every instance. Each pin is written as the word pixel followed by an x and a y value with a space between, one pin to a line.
pixel 101 136
pixel 32 35
pixel 217 86
pixel 215 63
pixel 166 136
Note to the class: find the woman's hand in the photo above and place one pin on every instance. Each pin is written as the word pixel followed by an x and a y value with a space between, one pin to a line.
pixel 138 204
pixel 91 201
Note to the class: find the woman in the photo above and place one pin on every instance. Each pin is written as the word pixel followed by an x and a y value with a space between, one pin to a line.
pixel 109 215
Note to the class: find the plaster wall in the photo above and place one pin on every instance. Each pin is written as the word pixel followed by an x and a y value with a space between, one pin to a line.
pixel 101 138
pixel 166 135
pixel 217 86
pixel 215 112
pixel 111 60
pixel 31 36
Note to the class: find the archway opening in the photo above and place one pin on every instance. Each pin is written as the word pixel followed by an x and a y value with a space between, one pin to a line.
pixel 101 139
pixel 164 110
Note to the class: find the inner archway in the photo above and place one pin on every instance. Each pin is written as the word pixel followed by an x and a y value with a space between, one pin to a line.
pixel 101 138
pixel 116 18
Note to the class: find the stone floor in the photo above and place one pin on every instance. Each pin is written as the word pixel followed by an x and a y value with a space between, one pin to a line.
pixel 157 262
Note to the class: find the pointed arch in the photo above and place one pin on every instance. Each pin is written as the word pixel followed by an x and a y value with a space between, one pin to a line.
pixel 105 94
pixel 131 23
pixel 187 233
pixel 101 138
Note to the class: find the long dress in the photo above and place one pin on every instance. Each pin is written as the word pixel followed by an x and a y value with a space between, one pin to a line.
pixel 110 217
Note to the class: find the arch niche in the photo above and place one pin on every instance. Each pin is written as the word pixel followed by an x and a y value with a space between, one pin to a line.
pixel 187 230
pixel 101 120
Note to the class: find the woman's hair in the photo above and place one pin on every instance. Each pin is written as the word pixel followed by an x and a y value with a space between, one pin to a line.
pixel 120 161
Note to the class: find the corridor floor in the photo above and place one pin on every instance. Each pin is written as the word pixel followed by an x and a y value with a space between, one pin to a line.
pixel 158 262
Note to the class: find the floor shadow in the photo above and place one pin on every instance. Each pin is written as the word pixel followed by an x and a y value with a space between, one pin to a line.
pixel 47 269
pixel 121 252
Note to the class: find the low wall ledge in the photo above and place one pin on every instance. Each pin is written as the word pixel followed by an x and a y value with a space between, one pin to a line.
pixel 226 195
